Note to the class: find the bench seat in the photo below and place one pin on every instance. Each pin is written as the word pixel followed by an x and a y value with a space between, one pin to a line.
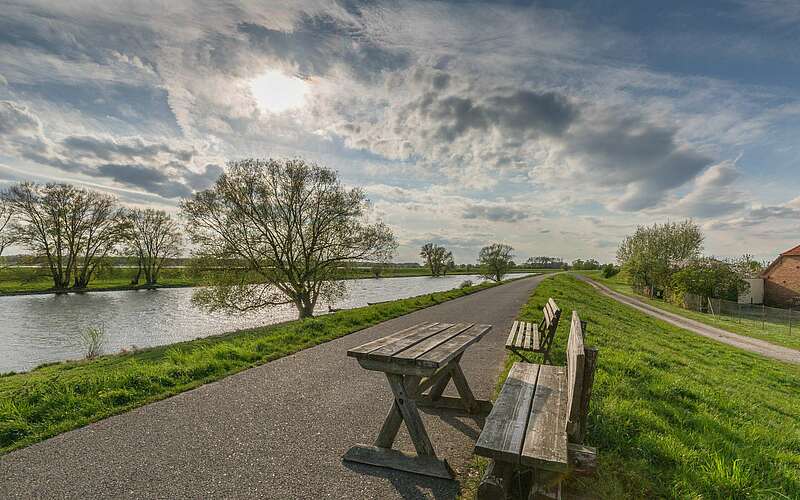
pixel 527 426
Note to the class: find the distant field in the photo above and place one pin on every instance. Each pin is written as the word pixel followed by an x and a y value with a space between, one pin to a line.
pixel 674 414
pixel 777 333
pixel 31 279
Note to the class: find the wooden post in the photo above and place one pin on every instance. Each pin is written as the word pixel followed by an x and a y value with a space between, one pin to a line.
pixel 590 363
pixel 496 482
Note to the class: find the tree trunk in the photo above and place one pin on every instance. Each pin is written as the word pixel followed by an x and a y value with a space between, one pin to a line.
pixel 135 280
pixel 305 307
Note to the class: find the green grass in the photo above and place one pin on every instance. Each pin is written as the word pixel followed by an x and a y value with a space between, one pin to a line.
pixel 677 415
pixel 58 397
pixel 777 333
pixel 35 280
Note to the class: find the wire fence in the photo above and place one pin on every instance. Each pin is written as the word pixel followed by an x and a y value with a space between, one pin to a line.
pixel 771 319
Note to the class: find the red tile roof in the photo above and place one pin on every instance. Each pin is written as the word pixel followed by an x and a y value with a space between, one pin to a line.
pixel 794 251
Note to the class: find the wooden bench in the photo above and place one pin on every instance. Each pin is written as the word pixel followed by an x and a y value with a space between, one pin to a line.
pixel 527 337
pixel 535 431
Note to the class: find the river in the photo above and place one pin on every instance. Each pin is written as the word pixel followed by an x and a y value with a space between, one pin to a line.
pixel 37 329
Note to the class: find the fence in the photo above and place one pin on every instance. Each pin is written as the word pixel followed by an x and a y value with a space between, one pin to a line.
pixel 770 319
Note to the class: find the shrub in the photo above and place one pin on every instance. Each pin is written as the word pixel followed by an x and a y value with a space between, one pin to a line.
pixel 465 284
pixel 92 340
pixel 610 270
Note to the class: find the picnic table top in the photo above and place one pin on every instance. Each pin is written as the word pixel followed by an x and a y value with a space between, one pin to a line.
pixel 425 345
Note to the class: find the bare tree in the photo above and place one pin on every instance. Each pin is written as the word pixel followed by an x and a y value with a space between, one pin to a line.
pixel 71 229
pixel 495 261
pixel 6 213
pixel 438 259
pixel 291 224
pixel 153 237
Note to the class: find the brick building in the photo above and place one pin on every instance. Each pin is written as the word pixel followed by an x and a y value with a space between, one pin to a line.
pixel 782 280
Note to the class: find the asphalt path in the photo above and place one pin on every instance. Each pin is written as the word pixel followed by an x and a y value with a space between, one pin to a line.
pixel 275 431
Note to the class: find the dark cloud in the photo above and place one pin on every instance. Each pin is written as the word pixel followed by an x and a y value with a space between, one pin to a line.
pixel 494 213
pixel 150 179
pixel 16 119
pixel 320 41
pixel 644 160
pixel 205 179
pixel 108 148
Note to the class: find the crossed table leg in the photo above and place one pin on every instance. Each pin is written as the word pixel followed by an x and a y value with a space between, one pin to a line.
pixel 408 397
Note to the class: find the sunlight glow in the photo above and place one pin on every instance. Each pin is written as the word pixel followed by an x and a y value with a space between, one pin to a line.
pixel 276 92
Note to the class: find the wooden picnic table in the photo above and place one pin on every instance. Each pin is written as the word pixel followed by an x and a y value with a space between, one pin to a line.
pixel 424 356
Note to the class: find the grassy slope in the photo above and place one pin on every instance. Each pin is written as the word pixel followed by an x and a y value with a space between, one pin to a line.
pixel 27 280
pixel 676 415
pixel 777 333
pixel 62 396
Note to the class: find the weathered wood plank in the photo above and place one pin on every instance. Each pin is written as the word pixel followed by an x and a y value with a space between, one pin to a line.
pixel 582 459
pixel 496 483
pixel 504 431
pixel 388 351
pixel 575 365
pixel 410 354
pixel 589 366
pixel 363 349
pixel 535 338
pixel 399 368
pixel 526 342
pixel 393 459
pixel 481 406
pixel 512 335
pixel 545 445
pixel 443 353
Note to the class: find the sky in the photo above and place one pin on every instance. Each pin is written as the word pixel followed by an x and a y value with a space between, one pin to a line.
pixel 555 127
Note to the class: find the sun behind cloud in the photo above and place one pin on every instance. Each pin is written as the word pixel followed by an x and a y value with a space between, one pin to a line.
pixel 276 92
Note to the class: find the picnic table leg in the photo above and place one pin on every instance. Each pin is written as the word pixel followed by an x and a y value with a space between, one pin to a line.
pixel 470 404
pixel 404 409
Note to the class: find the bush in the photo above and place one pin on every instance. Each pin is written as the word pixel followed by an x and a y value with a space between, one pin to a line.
pixel 465 284
pixel 92 340
pixel 610 270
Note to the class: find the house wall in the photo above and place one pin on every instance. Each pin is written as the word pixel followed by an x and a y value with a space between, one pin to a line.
pixel 755 295
pixel 782 284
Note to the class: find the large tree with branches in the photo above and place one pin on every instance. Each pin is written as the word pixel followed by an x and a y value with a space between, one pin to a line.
pixel 6 213
pixel 153 237
pixel 291 225
pixel 70 228
pixel 495 261
pixel 438 259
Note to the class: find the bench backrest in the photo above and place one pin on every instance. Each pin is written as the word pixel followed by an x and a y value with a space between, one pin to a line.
pixel 576 357
pixel 551 315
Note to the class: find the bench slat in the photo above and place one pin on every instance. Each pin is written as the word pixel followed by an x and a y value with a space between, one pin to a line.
pixel 504 431
pixel 512 335
pixel 545 443
pixel 420 348
pixel 526 342
pixel 364 349
pixel 443 353
pixel 411 338
pixel 576 356
pixel 535 338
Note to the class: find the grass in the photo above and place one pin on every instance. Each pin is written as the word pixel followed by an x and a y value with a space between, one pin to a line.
pixel 20 280
pixel 777 333
pixel 673 414
pixel 58 397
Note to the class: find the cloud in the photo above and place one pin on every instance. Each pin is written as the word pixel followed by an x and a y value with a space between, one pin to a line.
pixel 494 213
pixel 17 119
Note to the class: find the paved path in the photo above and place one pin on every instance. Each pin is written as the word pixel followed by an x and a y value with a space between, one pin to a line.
pixel 747 343
pixel 274 431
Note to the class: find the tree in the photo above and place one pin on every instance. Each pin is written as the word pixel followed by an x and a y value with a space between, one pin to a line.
pixel 438 259
pixel 291 224
pixel 495 261
pixel 651 253
pixel 153 237
pixel 71 229
pixel 709 278
pixel 6 213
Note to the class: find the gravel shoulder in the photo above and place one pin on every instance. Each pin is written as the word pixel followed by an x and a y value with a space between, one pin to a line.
pixel 274 431
pixel 747 343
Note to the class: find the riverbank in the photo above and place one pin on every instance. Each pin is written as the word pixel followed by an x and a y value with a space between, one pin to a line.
pixel 674 414
pixel 16 281
pixel 55 398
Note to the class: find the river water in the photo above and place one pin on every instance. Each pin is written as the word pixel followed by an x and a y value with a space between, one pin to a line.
pixel 36 329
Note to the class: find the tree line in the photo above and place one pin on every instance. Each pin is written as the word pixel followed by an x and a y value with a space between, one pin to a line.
pixel 72 230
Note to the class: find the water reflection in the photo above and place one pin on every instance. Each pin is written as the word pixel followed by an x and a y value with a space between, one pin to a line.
pixel 42 328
